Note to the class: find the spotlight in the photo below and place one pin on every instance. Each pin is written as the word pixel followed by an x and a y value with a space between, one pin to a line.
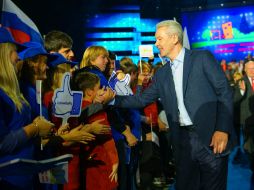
pixel 221 4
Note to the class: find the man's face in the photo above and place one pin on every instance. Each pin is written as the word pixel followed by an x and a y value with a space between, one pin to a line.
pixel 67 53
pixel 249 69
pixel 164 41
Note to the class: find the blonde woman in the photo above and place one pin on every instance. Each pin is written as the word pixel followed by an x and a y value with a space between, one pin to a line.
pixel 95 60
pixel 16 127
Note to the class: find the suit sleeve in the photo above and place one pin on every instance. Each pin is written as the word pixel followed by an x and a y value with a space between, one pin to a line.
pixel 223 91
pixel 89 110
pixel 140 100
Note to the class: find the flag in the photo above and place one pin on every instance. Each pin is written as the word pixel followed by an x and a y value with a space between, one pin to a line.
pixel 186 42
pixel 19 24
pixel 38 94
pixel 145 51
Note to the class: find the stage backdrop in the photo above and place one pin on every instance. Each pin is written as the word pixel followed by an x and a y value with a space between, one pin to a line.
pixel 121 30
pixel 228 32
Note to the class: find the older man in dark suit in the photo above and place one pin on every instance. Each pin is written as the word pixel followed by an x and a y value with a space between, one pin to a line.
pixel 198 103
pixel 244 96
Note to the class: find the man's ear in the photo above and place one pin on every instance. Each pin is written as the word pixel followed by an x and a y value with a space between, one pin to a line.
pixel 175 39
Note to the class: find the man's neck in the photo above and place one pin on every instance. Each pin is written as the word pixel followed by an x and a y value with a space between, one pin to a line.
pixel 175 52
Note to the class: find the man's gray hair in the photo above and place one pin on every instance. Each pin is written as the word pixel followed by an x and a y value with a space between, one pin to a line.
pixel 173 28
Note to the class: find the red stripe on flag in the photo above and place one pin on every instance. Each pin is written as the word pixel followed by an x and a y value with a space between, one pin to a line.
pixel 20 36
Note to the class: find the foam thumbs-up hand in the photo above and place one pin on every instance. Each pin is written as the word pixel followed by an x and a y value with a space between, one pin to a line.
pixel 66 103
pixel 119 82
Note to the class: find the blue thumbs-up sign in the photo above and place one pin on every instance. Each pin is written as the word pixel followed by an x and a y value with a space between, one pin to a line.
pixel 67 103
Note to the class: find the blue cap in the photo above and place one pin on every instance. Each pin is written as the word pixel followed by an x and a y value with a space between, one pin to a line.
pixel 35 48
pixel 60 60
pixel 6 37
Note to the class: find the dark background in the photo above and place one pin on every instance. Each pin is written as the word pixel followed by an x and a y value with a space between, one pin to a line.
pixel 70 15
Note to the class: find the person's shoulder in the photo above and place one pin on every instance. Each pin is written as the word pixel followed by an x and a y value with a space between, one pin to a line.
pixel 91 68
pixel 163 69
pixel 47 98
pixel 85 103
pixel 49 94
pixel 205 55
pixel 27 89
pixel 199 52
pixel 3 96
pixel 29 93
pixel 5 101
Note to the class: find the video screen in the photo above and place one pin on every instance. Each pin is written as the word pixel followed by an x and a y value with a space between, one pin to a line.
pixel 228 33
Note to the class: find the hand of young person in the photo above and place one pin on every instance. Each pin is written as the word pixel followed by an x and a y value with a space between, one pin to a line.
pixel 78 134
pixel 130 138
pixel 113 176
pixel 63 129
pixel 98 128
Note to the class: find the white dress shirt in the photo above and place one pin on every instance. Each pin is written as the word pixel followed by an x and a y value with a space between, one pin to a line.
pixel 177 71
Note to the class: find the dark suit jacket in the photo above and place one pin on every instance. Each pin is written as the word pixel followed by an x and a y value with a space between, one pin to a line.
pixel 207 96
pixel 245 101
